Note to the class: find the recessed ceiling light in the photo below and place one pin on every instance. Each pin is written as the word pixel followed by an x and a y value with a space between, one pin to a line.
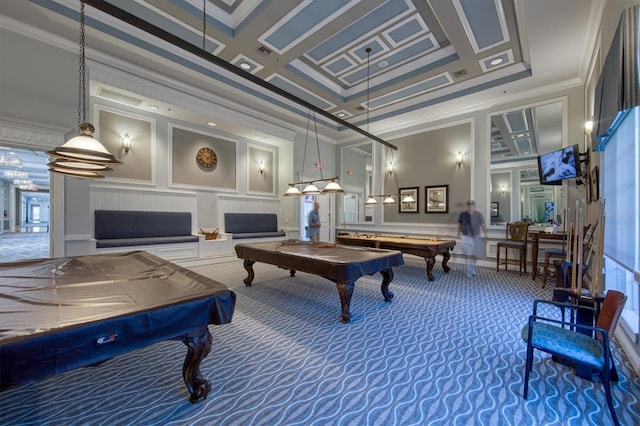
pixel 383 64
pixel 496 61
pixel 341 114
pixel 211 123
pixel 154 107
pixel 245 66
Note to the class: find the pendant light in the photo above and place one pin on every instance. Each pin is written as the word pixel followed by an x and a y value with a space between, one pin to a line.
pixel 82 156
pixel 310 187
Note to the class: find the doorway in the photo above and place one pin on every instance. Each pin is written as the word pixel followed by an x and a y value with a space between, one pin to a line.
pixel 25 204
pixel 326 227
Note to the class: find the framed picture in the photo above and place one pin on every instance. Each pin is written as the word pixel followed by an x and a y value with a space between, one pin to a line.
pixel 437 199
pixel 495 209
pixel 408 207
pixel 595 184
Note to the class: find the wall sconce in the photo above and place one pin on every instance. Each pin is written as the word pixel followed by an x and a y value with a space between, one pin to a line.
pixel 588 127
pixel 126 142
pixel 503 187
pixel 459 158
pixel 390 168
pixel 261 167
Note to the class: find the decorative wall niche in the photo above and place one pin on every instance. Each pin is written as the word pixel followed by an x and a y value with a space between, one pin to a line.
pixel 261 170
pixel 138 161
pixel 201 160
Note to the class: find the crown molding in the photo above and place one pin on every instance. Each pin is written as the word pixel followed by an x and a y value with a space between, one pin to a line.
pixel 32 134
pixel 152 85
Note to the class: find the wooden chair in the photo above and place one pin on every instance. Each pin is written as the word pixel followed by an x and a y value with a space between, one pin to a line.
pixel 583 345
pixel 517 233
pixel 555 253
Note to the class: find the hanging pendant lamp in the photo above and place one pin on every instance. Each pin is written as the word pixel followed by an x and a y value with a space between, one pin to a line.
pixel 82 156
pixel 310 187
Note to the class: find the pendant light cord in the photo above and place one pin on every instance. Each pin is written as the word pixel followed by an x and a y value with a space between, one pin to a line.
pixel 315 128
pixel 204 23
pixel 304 154
pixel 394 173
pixel 368 50
pixel 81 80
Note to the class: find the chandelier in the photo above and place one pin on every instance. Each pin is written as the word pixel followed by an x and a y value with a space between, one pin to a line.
pixel 310 188
pixel 13 174
pixel 386 198
pixel 10 161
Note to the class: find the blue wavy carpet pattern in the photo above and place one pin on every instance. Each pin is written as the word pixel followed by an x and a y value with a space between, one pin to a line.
pixel 446 352
pixel 24 245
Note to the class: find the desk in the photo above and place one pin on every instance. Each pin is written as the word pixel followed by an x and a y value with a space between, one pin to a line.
pixel 65 313
pixel 342 265
pixel 535 237
pixel 423 247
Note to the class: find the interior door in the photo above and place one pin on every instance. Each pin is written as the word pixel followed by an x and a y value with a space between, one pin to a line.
pixel 326 231
pixel 325 213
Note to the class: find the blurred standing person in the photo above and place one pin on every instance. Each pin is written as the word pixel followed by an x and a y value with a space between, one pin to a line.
pixel 470 225
pixel 314 223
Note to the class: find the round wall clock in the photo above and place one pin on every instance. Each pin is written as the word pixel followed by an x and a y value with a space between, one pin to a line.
pixel 206 157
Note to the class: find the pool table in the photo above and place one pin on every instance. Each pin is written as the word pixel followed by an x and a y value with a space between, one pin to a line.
pixel 342 265
pixel 428 248
pixel 64 313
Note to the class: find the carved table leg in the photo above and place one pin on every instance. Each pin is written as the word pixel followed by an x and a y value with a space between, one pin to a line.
pixel 198 347
pixel 387 277
pixel 445 260
pixel 345 288
pixel 248 266
pixel 430 262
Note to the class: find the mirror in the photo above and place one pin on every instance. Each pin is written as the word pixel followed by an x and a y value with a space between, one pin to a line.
pixel 517 137
pixel 356 179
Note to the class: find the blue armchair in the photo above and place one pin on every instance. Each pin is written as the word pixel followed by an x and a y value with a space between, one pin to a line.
pixel 583 345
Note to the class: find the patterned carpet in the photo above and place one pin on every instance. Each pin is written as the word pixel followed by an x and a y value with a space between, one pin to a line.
pixel 23 245
pixel 446 352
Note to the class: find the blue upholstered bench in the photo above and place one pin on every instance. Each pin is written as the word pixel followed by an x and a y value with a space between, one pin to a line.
pixel 126 228
pixel 252 225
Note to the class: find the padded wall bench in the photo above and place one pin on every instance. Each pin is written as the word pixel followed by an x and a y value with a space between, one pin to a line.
pixel 164 234
pixel 249 227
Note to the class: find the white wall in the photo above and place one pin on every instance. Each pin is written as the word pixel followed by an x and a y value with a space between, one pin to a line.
pixel 38 82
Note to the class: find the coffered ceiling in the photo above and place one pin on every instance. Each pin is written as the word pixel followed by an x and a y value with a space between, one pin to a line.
pixel 428 58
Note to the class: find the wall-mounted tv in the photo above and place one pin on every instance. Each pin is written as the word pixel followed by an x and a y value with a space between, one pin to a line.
pixel 556 166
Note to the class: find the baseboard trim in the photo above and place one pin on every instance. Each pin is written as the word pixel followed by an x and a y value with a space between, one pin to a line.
pixel 189 263
pixel 630 348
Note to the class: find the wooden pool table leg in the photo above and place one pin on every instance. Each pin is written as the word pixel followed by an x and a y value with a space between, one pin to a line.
pixel 430 262
pixel 248 266
pixel 387 277
pixel 345 288
pixel 198 347
pixel 445 260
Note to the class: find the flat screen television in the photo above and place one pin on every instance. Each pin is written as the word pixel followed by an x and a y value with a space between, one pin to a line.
pixel 556 166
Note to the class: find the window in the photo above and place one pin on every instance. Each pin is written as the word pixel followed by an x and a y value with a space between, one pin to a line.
pixel 621 163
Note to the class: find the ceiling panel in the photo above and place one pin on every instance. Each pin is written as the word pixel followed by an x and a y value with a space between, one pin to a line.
pixel 425 53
